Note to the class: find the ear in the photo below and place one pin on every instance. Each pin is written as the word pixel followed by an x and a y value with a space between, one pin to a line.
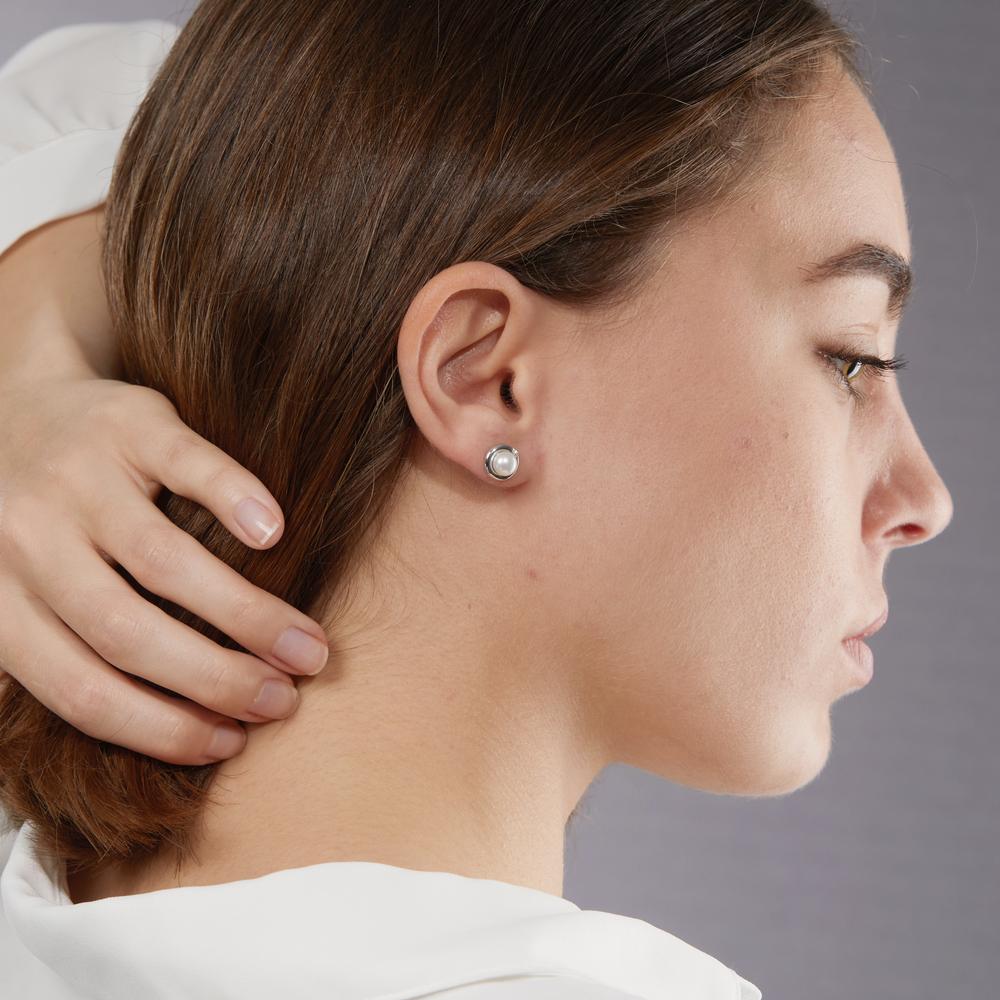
pixel 467 352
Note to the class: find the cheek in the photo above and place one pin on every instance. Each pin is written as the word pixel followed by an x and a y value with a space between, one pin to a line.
pixel 728 556
pixel 703 523
pixel 764 538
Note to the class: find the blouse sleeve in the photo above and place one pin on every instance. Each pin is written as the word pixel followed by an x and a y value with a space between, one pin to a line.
pixel 65 100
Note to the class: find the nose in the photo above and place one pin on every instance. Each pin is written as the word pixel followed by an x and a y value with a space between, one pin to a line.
pixel 911 501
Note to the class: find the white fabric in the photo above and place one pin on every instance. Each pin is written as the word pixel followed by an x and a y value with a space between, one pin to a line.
pixel 350 930
pixel 65 99
pixel 334 931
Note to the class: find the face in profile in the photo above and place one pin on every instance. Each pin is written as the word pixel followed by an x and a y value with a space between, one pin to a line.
pixel 707 497
pixel 728 520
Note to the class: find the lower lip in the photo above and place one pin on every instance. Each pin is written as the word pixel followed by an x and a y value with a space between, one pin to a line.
pixel 862 657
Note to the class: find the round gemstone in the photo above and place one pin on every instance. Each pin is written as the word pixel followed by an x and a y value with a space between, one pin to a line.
pixel 503 463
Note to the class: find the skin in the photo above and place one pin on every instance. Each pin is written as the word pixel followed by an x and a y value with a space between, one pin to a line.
pixel 702 514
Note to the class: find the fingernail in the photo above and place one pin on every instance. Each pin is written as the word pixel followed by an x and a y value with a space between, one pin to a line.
pixel 276 699
pixel 256 520
pixel 301 651
pixel 226 742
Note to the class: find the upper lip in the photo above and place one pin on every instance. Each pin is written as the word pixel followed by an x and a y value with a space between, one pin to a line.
pixel 873 627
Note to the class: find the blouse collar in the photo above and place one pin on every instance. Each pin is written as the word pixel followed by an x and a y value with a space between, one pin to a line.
pixel 357 930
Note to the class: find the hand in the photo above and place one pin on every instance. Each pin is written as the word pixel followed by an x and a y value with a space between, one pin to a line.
pixel 81 462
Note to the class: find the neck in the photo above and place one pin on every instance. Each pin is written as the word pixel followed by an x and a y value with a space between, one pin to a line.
pixel 428 741
pixel 414 757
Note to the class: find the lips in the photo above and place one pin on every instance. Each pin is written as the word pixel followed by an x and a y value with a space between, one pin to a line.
pixel 872 628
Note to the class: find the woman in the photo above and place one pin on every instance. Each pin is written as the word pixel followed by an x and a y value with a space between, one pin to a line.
pixel 557 340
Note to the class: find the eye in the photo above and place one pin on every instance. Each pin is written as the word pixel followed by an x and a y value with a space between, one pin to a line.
pixel 855 365
pixel 851 366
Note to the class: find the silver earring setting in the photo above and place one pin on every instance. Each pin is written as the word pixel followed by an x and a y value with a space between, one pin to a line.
pixel 502 461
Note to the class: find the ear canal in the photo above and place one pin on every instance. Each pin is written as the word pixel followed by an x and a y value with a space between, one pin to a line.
pixel 506 395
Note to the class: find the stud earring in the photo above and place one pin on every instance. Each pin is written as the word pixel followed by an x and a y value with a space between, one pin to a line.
pixel 501 461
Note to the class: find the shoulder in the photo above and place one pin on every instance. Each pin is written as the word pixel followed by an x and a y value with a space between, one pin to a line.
pixel 23 974
pixel 559 986
pixel 148 39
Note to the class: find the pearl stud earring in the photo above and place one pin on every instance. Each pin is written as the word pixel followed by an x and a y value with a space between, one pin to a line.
pixel 501 461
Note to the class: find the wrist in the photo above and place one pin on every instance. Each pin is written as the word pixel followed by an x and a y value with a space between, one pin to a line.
pixel 36 343
pixel 52 304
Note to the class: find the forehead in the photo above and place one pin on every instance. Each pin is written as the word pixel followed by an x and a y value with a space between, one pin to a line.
pixel 832 181
pixel 828 184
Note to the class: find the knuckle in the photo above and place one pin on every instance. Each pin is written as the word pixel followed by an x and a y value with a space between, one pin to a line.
pixel 246 610
pixel 118 403
pixel 154 551
pixel 111 407
pixel 85 704
pixel 180 445
pixel 178 736
pixel 218 679
pixel 114 633
pixel 220 480
pixel 151 398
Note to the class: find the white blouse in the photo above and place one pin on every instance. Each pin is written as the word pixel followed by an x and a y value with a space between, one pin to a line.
pixel 343 930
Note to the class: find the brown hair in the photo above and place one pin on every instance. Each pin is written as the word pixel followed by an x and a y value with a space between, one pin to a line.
pixel 297 171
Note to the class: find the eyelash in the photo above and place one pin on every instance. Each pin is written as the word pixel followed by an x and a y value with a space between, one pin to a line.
pixel 873 366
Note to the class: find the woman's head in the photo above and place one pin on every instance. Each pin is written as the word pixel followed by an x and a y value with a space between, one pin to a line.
pixel 704 506
pixel 735 500
pixel 360 244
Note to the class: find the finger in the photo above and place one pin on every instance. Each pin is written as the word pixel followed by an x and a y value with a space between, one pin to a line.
pixel 66 676
pixel 129 632
pixel 168 561
pixel 171 453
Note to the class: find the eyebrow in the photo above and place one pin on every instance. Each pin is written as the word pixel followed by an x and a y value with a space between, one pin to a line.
pixel 869 258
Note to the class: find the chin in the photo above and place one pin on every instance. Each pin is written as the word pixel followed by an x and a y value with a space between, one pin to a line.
pixel 778 769
pixel 764 757
pixel 805 761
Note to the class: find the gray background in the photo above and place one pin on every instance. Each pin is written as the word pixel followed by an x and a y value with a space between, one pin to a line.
pixel 881 878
